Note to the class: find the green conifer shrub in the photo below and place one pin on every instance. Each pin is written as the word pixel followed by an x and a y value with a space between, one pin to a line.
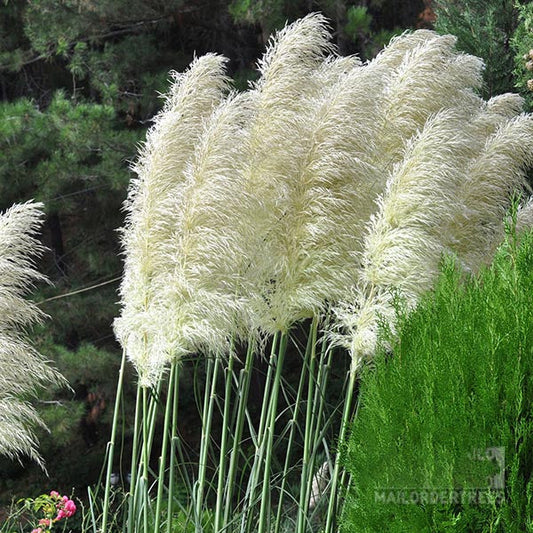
pixel 522 43
pixel 483 28
pixel 455 391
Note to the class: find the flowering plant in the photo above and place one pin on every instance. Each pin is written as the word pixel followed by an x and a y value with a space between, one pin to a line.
pixel 54 507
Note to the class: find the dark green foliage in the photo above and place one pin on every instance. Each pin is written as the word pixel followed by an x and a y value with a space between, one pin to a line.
pixel 484 29
pixel 361 28
pixel 458 383
pixel 58 154
pixel 522 44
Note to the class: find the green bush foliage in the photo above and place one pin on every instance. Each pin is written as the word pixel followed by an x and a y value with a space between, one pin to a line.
pixel 483 28
pixel 522 44
pixel 458 384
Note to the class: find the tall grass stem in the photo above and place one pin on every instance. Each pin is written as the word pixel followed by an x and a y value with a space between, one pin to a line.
pixel 111 443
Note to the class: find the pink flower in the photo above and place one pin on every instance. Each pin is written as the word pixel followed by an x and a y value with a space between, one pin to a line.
pixel 54 494
pixel 45 522
pixel 70 507
pixel 65 499
pixel 37 530
pixel 60 514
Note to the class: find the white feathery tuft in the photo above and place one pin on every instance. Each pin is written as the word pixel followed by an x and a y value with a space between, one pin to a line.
pixel 425 75
pixel 404 242
pixel 485 196
pixel 316 239
pixel 281 131
pixel 24 370
pixel 197 298
pixel 160 171
pixel 204 295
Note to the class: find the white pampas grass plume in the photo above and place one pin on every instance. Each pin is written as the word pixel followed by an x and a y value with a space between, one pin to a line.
pixel 22 369
pixel 160 170
pixel 203 297
pixel 451 179
pixel 316 239
pixel 196 297
pixel 405 241
pixel 425 75
pixel 449 195
pixel 485 196
pixel 280 134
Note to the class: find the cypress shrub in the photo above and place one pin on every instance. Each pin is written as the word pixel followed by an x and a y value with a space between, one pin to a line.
pixel 443 436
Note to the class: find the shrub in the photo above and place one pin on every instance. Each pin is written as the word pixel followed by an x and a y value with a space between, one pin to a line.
pixel 456 383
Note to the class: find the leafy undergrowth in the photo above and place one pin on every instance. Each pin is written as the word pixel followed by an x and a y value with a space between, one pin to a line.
pixel 443 439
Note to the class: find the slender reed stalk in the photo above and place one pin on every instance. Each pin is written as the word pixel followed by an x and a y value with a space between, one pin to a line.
pixel 267 445
pixel 293 425
pixel 243 389
pixel 222 480
pixel 145 458
pixel 258 438
pixel 134 460
pixel 207 419
pixel 172 382
pixel 333 506
pixel 111 443
pixel 173 451
pixel 308 445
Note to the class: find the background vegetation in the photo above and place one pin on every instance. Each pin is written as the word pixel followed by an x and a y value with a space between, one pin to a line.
pixel 79 81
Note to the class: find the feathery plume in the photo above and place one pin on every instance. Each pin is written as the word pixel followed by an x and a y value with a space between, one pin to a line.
pixel 23 369
pixel 442 196
pixel 426 74
pixel 202 295
pixel 405 241
pixel 485 196
pixel 332 192
pixel 160 174
pixel 280 136
pixel 196 297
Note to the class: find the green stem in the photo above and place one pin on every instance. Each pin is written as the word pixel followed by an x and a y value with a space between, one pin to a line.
pixel 224 440
pixel 247 516
pixel 293 424
pixel 333 504
pixel 111 443
pixel 207 417
pixel 321 426
pixel 320 397
pixel 145 459
pixel 243 389
pixel 155 396
pixel 173 439
pixel 308 444
pixel 134 460
pixel 264 514
pixel 164 446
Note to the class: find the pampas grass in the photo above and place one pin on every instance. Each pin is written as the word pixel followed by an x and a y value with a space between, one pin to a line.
pixel 329 184
pixel 23 370
pixel 169 146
